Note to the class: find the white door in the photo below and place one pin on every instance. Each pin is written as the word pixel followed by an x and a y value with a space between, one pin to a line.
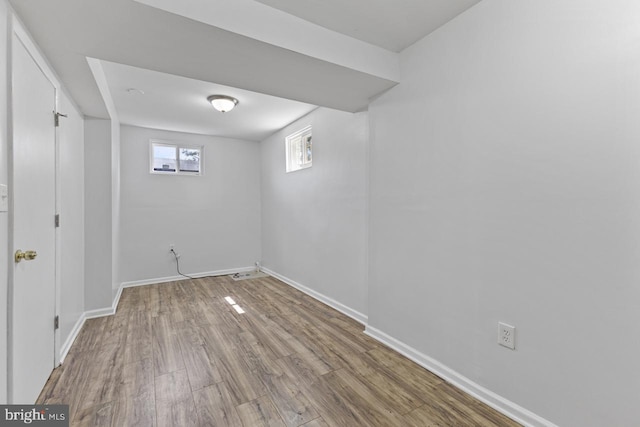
pixel 33 301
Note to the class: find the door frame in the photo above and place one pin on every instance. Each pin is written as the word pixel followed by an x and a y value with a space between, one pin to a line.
pixel 19 33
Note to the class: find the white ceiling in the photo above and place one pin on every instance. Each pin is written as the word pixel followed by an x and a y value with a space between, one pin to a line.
pixel 323 56
pixel 180 104
pixel 393 25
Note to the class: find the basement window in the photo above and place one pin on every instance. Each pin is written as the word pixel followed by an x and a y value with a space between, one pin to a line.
pixel 299 150
pixel 175 159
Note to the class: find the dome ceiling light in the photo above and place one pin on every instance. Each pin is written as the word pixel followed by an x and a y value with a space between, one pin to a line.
pixel 222 103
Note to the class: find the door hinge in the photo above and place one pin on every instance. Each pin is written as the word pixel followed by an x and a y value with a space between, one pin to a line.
pixel 57 220
pixel 56 118
pixel 56 322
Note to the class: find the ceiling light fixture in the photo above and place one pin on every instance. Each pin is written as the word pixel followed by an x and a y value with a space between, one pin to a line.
pixel 222 103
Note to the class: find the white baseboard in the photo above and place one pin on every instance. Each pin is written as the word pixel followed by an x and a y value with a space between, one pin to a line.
pixel 348 311
pixel 99 312
pixel 91 314
pixel 499 403
pixel 116 300
pixel 66 346
pixel 108 311
pixel 176 278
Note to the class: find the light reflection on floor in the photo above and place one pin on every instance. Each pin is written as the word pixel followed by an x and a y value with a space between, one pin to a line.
pixel 235 306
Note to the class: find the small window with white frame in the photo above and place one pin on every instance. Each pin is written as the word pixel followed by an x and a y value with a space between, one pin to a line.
pixel 299 150
pixel 175 159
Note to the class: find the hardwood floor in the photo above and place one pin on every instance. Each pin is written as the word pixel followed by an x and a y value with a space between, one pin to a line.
pixel 178 354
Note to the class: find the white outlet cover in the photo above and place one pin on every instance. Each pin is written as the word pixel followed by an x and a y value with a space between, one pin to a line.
pixel 507 335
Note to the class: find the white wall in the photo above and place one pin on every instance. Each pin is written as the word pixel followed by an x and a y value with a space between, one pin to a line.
pixel 115 207
pixel 4 176
pixel 504 186
pixel 213 220
pixel 98 215
pixel 71 209
pixel 314 220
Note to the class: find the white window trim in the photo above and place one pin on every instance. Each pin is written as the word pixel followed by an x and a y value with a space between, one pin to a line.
pixel 288 151
pixel 178 146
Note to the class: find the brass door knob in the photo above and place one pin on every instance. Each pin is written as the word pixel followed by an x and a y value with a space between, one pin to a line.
pixel 27 255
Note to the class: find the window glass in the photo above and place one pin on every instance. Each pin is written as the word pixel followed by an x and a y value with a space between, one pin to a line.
pixel 167 158
pixel 164 158
pixel 299 150
pixel 307 149
pixel 189 160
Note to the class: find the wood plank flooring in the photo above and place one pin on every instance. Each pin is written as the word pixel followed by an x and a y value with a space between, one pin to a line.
pixel 178 354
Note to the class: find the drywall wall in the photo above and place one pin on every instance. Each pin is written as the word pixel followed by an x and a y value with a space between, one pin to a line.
pixel 115 207
pixel 71 209
pixel 504 187
pixel 4 177
pixel 98 215
pixel 213 220
pixel 314 220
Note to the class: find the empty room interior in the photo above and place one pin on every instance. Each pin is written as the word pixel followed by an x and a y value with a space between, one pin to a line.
pixel 321 213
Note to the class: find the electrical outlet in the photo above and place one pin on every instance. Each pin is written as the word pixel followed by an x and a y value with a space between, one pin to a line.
pixel 507 335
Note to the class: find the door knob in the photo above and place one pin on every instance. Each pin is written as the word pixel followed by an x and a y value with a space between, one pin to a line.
pixel 27 255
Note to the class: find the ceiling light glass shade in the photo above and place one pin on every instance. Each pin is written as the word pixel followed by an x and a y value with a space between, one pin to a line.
pixel 222 103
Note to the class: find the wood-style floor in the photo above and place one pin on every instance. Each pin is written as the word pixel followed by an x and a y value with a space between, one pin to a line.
pixel 178 354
